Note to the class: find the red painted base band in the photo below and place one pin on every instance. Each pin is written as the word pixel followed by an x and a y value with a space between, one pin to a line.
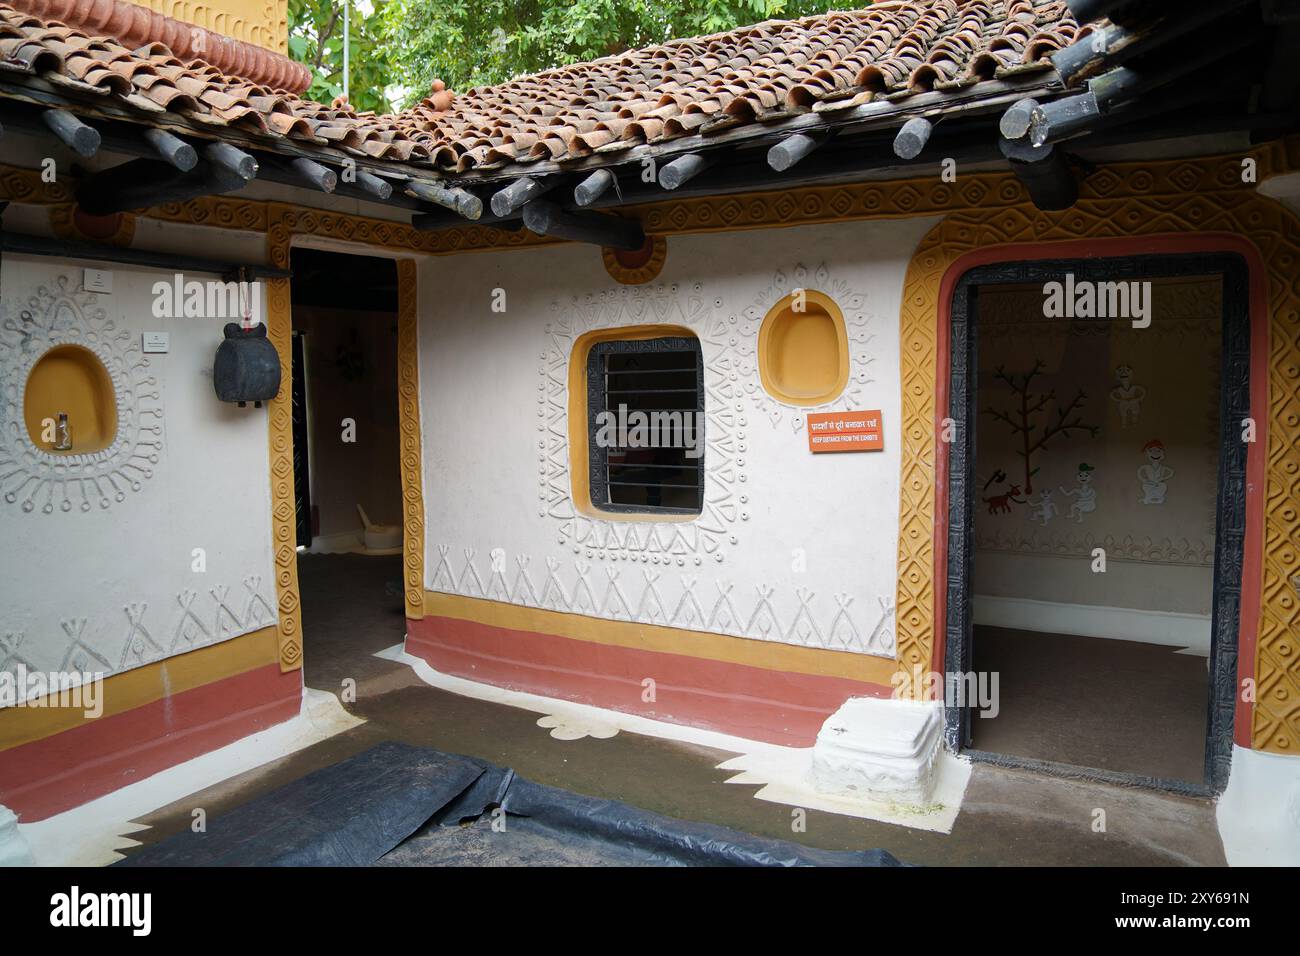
pixel 45 777
pixel 775 706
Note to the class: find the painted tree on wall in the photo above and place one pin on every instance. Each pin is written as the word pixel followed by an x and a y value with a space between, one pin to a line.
pixel 1028 407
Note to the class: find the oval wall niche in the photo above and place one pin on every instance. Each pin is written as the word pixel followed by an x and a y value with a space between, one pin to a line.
pixel 803 353
pixel 72 380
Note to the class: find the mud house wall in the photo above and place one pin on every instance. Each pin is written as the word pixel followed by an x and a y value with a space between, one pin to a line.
pixel 100 567
pixel 792 547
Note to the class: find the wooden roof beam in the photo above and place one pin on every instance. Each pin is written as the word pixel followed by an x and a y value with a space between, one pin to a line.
pixel 76 135
pixel 549 219
pixel 460 201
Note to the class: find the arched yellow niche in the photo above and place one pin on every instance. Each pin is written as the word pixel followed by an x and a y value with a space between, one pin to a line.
pixel 803 349
pixel 71 380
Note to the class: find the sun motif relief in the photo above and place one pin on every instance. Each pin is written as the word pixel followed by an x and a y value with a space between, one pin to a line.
pixel 851 301
pixel 55 315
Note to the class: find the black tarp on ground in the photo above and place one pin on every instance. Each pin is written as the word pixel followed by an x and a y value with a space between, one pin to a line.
pixel 357 811
pixel 348 814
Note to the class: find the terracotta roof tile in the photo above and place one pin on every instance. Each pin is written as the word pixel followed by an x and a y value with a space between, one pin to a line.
pixel 652 95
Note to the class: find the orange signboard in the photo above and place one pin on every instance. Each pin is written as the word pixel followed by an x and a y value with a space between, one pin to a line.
pixel 845 431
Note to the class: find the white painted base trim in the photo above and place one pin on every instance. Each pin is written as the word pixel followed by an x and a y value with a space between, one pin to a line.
pixel 1172 628
pixel 880 750
pixel 1259 812
pixel 94 833
pixel 14 850
pixel 783 774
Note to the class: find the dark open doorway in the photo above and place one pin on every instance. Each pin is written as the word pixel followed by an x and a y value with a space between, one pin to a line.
pixel 347 475
pixel 1096 514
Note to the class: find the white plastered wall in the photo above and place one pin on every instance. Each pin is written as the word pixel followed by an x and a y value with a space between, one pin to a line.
pixel 100 576
pixel 792 547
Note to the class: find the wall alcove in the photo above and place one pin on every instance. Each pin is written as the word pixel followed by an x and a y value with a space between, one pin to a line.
pixel 803 352
pixel 70 379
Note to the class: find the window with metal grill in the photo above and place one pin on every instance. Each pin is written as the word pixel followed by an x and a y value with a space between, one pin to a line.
pixel 645 410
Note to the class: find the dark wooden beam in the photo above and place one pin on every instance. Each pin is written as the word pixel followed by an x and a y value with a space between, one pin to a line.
pixel 1015 122
pixel 460 201
pixel 1048 179
pixel 1079 59
pixel 97 252
pixel 1060 118
pixel 76 135
pixel 523 190
pixel 229 161
pixel 593 187
pixel 172 148
pixel 1085 11
pixel 372 186
pixel 793 148
pixel 549 219
pixel 912 137
pixel 682 169
pixel 314 174
pixel 142 183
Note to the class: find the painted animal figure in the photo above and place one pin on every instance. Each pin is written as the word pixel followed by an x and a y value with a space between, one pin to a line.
pixel 1001 504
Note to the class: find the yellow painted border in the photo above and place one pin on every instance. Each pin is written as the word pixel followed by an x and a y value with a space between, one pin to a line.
pixel 768 655
pixel 144 685
pixel 408 405
pixel 579 448
pixel 832 309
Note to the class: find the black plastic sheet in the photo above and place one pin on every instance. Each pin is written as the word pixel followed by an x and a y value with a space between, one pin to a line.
pixel 463 811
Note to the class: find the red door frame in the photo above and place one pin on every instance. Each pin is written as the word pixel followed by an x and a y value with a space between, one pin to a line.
pixel 1256 454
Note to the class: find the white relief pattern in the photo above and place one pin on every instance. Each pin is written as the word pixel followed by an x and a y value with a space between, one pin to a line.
pixel 138 634
pixel 678 543
pixel 57 314
pixel 857 325
pixel 568 587
pixel 661 572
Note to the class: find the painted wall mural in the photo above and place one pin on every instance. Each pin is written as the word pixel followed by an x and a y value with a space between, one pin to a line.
pixel 46 316
pixel 737 569
pixel 1093 433
pixel 729 343
pixel 157 543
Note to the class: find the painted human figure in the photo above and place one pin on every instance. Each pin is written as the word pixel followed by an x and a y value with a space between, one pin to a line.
pixel 1044 508
pixel 1084 495
pixel 1127 396
pixel 1155 474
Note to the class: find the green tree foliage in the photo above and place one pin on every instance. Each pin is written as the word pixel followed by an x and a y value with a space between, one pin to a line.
pixel 399 47
pixel 468 43
pixel 316 38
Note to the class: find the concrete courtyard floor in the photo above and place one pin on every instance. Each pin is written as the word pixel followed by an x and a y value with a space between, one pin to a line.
pixel 352 608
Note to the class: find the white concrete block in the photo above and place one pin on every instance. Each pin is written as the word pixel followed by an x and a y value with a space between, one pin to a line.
pixel 1259 812
pixel 879 749
pixel 13 847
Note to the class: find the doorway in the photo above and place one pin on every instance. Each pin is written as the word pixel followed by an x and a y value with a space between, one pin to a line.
pixel 347 469
pixel 1096 513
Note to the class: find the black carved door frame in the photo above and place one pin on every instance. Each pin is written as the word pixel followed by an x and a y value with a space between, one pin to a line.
pixel 1230 525
pixel 301 462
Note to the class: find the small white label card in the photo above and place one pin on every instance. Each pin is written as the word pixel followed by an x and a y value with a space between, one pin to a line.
pixel 154 341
